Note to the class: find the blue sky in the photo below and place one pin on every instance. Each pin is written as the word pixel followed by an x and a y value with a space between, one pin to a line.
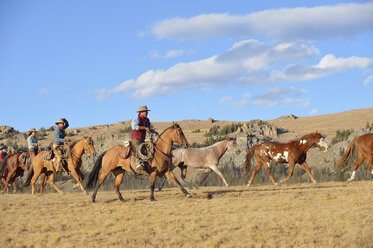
pixel 96 62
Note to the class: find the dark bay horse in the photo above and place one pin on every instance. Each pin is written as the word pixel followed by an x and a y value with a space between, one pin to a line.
pixel 364 146
pixel 111 162
pixel 202 158
pixel 46 168
pixel 10 169
pixel 292 152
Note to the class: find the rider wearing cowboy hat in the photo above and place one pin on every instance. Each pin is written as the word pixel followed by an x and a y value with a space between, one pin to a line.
pixel 140 125
pixel 32 143
pixel 59 141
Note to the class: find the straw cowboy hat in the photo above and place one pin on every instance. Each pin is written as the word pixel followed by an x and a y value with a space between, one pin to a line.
pixel 29 132
pixel 59 121
pixel 143 108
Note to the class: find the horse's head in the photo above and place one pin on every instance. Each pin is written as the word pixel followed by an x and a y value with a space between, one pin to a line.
pixel 178 136
pixel 321 143
pixel 232 146
pixel 88 146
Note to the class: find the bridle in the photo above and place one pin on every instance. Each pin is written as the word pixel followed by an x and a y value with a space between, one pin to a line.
pixel 178 135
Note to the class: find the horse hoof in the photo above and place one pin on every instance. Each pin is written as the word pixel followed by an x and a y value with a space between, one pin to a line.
pixel 227 186
pixel 153 199
pixel 85 192
pixel 248 185
pixel 189 195
pixel 61 193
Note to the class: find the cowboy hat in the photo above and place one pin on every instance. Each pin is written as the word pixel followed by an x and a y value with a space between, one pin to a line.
pixel 30 131
pixel 143 108
pixel 59 121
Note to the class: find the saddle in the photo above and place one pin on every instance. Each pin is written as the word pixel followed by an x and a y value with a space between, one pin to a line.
pixel 24 158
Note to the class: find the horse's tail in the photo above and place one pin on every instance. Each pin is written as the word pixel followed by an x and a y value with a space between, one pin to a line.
pixel 93 176
pixel 3 165
pixel 347 153
pixel 249 155
pixel 29 177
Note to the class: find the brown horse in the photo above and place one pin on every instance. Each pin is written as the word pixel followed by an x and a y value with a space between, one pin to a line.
pixel 110 161
pixel 292 153
pixel 10 169
pixel 364 146
pixel 46 168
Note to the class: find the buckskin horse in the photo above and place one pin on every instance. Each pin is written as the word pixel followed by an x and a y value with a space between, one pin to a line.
pixel 364 146
pixel 202 158
pixel 11 168
pixel 110 161
pixel 46 168
pixel 292 152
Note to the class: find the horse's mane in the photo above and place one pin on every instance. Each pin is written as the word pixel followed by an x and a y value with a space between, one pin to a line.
pixel 73 143
pixel 305 136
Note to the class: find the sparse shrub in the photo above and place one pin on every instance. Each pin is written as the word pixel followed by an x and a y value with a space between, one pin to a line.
pixel 341 135
pixel 196 131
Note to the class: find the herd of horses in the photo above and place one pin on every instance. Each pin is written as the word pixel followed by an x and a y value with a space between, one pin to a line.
pixel 166 159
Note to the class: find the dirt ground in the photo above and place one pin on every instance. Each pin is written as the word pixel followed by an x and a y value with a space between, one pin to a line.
pixel 299 215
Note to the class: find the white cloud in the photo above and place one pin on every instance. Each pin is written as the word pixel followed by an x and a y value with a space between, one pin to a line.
pixel 280 97
pixel 368 80
pixel 225 99
pixel 330 21
pixel 43 91
pixel 248 62
pixel 169 54
pixel 314 111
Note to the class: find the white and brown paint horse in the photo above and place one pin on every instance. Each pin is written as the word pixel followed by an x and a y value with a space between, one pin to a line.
pixel 364 146
pixel 292 152
pixel 202 158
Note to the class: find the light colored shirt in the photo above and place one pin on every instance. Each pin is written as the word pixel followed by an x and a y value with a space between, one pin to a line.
pixel 32 142
pixel 135 124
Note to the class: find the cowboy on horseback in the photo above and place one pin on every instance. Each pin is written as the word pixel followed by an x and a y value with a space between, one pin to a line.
pixel 140 125
pixel 32 143
pixel 58 143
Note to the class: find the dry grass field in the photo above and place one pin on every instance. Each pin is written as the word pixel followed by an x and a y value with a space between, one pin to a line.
pixel 298 215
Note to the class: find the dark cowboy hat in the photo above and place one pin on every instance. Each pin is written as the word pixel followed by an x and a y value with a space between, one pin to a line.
pixel 143 109
pixel 3 147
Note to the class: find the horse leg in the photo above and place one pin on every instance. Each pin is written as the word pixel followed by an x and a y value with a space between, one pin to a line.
pixel 14 187
pixel 118 173
pixel 307 169
pixel 256 169
pixel 358 162
pixel 290 173
pixel 34 179
pixel 369 164
pixel 170 175
pixel 183 176
pixel 11 174
pixel 51 181
pixel 152 178
pixel 162 183
pixel 206 173
pixel 268 171
pixel 101 179
pixel 81 177
pixel 218 172
pixel 43 182
pixel 77 178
